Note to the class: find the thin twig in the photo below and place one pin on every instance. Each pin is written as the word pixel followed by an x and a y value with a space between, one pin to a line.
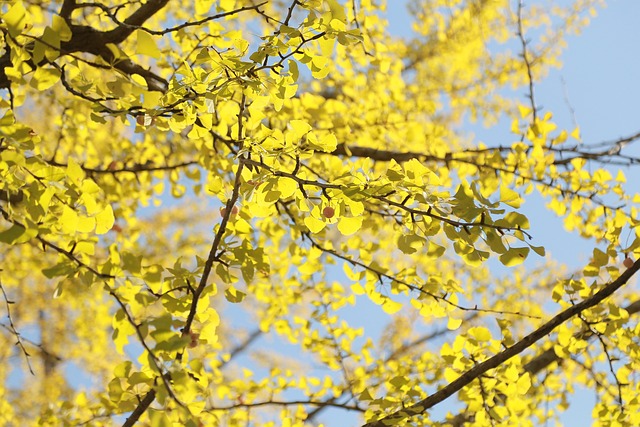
pixel 13 329
pixel 498 359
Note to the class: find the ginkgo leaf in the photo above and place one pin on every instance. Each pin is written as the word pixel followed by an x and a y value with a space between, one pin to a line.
pixel 234 295
pixel 68 220
pixel 510 197
pixel 104 220
pixel 347 226
pixel 299 128
pixel 514 256
pixel 44 77
pixel 16 18
pixel 16 234
pixel 391 307
pixel 314 225
pixel 411 243
pixel 159 418
pixel 146 45
pixel 480 333
pixel 61 28
pixel 287 186
pixel 453 324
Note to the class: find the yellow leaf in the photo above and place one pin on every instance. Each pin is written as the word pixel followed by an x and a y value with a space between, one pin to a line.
pixel 523 384
pixel 348 226
pixel 328 143
pixel 299 128
pixel 514 256
pixel 159 418
pixel 576 134
pixel 480 333
pixel 524 111
pixel 453 324
pixel 75 172
pixel 203 6
pixel 509 197
pixel 85 224
pixel 391 307
pixel 59 25
pixel 16 19
pixel 287 186
pixel 146 45
pixel 139 80
pixel 68 220
pixel 151 99
pixel 44 77
pixel 227 5
pixel 314 225
pixel 104 220
pixel 337 11
pixel 208 332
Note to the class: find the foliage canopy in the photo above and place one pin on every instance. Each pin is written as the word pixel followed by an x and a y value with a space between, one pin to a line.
pixel 243 212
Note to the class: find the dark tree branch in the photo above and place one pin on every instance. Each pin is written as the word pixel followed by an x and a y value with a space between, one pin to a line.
pixel 68 6
pixel 146 401
pixel 543 360
pixel 493 362
pixel 321 404
pixel 393 356
pixel 135 20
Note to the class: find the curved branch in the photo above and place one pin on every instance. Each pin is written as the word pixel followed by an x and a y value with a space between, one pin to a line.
pixel 544 360
pixel 493 362
pixel 135 20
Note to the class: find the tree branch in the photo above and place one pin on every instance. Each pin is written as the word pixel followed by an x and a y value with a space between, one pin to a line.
pixel 135 20
pixel 12 328
pixel 68 6
pixel 146 401
pixel 498 359
pixel 543 360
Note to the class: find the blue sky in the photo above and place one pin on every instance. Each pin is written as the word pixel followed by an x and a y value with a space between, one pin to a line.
pixel 600 81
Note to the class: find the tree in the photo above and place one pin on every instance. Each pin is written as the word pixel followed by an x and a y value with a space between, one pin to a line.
pixel 251 213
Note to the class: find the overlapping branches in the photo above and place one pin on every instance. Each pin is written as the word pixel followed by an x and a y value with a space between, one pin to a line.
pixel 85 39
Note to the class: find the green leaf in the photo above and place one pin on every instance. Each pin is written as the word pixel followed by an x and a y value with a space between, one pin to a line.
pixel 17 234
pixel 234 295
pixel 600 259
pixel 61 269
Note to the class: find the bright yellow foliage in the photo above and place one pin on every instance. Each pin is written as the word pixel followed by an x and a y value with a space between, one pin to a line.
pixel 230 213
